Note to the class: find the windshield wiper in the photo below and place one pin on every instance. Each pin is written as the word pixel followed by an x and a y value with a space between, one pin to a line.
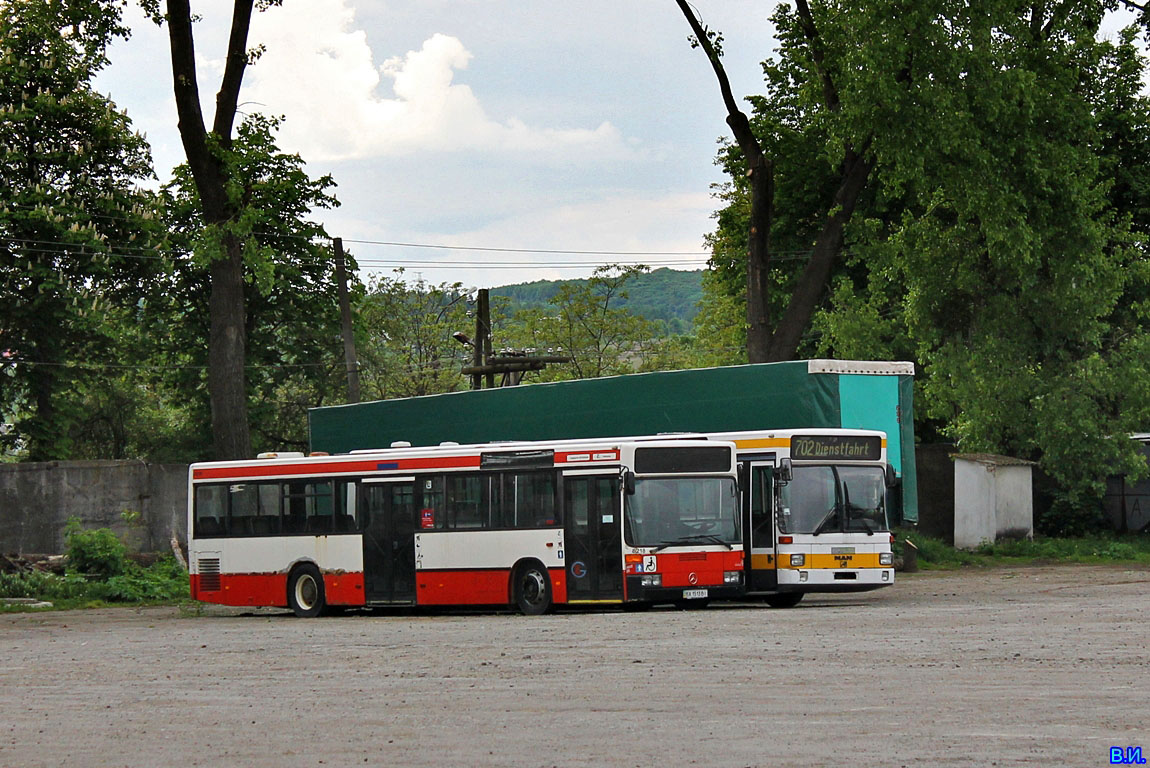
pixel 829 516
pixel 688 539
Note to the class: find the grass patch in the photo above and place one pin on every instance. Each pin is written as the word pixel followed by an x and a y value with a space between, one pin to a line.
pixel 164 582
pixel 99 573
pixel 936 554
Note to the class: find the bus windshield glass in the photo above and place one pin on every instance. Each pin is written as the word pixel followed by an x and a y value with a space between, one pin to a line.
pixel 819 499
pixel 665 512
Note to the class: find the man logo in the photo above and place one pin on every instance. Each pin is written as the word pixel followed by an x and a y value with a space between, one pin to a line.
pixel 578 569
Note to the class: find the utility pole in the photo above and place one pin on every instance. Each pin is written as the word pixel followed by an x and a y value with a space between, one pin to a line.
pixel 345 320
pixel 512 364
pixel 483 330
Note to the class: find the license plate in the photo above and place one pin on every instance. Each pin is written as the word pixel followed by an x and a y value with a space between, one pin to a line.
pixel 694 594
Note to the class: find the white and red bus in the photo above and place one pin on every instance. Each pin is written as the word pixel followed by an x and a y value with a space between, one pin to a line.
pixel 525 524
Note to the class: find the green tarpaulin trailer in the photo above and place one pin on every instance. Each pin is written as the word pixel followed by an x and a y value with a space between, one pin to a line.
pixel 790 395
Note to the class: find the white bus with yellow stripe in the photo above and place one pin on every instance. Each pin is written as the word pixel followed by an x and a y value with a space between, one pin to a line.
pixel 814 511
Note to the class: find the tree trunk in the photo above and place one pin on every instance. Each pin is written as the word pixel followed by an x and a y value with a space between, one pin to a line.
pixel 761 171
pixel 813 281
pixel 759 263
pixel 227 342
pixel 227 353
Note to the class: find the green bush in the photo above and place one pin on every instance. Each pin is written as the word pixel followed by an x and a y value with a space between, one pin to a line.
pixel 97 553
pixel 165 581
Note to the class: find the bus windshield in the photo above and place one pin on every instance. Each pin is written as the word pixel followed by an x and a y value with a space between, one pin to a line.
pixel 671 511
pixel 834 498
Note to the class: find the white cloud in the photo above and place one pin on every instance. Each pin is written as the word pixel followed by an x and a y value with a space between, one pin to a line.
pixel 319 71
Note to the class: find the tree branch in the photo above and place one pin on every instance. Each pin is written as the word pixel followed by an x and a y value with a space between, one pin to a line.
pixel 811 32
pixel 228 97
pixel 191 119
pixel 738 121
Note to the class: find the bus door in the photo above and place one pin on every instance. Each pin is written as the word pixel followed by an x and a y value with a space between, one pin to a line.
pixel 759 504
pixel 389 540
pixel 593 536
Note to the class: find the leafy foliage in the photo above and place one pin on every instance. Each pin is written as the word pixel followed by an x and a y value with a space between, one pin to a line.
pixel 586 322
pixel 97 554
pixel 1001 242
pixel 406 346
pixel 75 231
pixel 294 352
pixel 164 581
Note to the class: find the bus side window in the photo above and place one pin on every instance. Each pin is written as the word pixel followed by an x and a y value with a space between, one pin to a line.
pixel 321 508
pixel 210 509
pixel 242 501
pixel 267 519
pixel 466 497
pixel 345 518
pixel 527 500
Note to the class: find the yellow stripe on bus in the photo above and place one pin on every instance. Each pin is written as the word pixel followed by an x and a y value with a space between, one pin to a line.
pixel 823 561
pixel 594 602
pixel 772 442
pixel 767 442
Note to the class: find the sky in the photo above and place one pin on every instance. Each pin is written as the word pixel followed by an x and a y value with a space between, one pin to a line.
pixel 546 126
pixel 588 129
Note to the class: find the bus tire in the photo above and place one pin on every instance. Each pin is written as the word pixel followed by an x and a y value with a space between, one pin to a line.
pixel 305 591
pixel 784 599
pixel 532 589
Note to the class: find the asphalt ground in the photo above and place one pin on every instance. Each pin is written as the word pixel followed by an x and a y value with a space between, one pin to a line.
pixel 1029 666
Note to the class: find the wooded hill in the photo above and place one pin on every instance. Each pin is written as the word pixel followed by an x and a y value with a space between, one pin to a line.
pixel 666 296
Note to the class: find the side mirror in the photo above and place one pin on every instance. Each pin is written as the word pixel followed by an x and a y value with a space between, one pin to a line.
pixel 785 472
pixel 629 483
pixel 892 478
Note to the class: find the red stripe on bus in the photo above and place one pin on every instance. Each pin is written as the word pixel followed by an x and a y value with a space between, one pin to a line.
pixel 331 468
pixel 270 589
pixel 486 587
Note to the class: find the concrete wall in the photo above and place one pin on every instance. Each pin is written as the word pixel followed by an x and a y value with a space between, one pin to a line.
pixel 993 497
pixel 974 500
pixel 36 500
pixel 1014 503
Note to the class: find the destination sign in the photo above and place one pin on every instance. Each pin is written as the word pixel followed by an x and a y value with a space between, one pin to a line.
pixel 840 447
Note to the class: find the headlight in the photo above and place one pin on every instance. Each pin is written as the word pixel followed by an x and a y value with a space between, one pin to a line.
pixel 654 580
pixel 886 558
pixel 798 560
pixel 732 577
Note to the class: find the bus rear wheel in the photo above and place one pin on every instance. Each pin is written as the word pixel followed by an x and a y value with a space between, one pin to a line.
pixel 305 592
pixel 532 589
pixel 784 599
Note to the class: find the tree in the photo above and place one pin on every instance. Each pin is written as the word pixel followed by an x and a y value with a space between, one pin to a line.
pixel 1005 253
pixel 75 230
pixel 760 179
pixel 220 197
pixel 290 307
pixel 584 323
pixel 408 349
pixel 833 57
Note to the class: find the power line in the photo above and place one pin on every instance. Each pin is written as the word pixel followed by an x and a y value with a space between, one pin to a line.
pixel 554 251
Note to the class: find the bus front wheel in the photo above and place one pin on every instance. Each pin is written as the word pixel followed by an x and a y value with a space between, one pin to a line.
pixel 532 589
pixel 784 599
pixel 305 592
